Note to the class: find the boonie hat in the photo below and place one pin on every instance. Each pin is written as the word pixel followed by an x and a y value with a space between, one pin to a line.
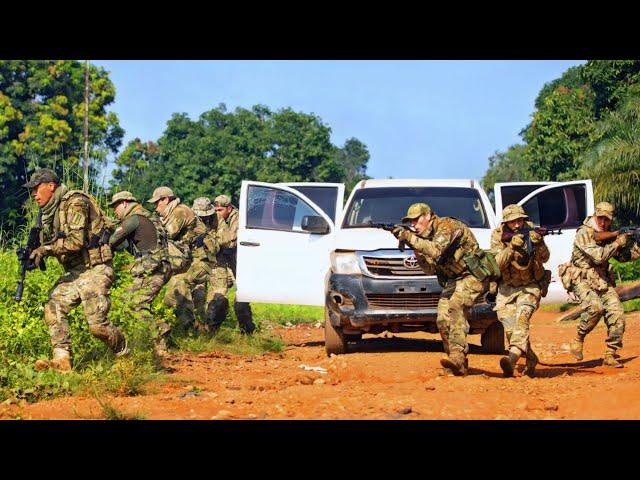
pixel 513 212
pixel 121 196
pixel 44 175
pixel 202 207
pixel 605 209
pixel 415 211
pixel 159 193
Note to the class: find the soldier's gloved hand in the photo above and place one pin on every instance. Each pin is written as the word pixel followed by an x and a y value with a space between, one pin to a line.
pixel 398 232
pixel 621 241
pixel 37 255
pixel 517 241
pixel 535 237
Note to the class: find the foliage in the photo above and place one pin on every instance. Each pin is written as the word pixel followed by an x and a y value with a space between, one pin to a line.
pixel 610 80
pixel 509 166
pixel 41 124
pixel 212 155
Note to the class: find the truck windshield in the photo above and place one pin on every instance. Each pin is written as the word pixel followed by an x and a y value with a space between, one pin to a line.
pixel 390 204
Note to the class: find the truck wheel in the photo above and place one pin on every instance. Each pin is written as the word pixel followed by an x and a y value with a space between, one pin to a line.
pixel 352 337
pixel 492 339
pixel 334 341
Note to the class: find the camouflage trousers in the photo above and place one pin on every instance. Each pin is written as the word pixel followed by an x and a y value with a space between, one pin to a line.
pixel 89 287
pixel 455 300
pixel 515 306
pixel 217 302
pixel 144 289
pixel 598 304
pixel 179 288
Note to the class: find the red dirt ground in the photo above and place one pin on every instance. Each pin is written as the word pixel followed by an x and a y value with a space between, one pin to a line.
pixel 385 378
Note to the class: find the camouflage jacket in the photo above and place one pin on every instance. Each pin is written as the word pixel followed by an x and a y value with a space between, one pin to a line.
pixel 181 223
pixel 228 231
pixel 447 239
pixel 509 260
pixel 590 259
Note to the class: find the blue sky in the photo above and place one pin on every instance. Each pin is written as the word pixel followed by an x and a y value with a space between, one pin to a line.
pixel 424 119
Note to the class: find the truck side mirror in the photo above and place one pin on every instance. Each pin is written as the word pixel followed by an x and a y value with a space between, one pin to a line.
pixel 314 224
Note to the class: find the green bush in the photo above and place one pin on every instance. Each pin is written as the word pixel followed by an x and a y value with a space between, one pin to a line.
pixel 626 271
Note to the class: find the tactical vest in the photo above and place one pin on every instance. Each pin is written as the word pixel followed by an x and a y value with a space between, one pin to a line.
pixel 147 262
pixel 515 274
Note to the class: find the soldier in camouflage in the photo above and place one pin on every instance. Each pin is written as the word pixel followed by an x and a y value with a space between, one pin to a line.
pixel 141 233
pixel 439 245
pixel 183 227
pixel 74 231
pixel 225 272
pixel 523 282
pixel 589 276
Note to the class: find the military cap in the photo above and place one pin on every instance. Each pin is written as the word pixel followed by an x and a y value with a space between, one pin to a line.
pixel 605 209
pixel 44 175
pixel 202 207
pixel 159 193
pixel 513 212
pixel 222 201
pixel 121 196
pixel 415 211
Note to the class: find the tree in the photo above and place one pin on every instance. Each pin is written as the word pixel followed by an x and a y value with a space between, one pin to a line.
pixel 610 80
pixel 509 166
pixel 41 116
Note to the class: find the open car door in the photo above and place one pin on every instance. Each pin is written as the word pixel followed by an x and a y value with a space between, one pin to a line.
pixel 328 196
pixel 284 241
pixel 562 205
pixel 509 193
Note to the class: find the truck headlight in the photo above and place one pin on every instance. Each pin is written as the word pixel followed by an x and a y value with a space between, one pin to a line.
pixel 344 262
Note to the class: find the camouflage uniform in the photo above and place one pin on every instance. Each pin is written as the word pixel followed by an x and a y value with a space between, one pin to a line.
pixel 521 286
pixel 141 233
pixel 71 225
pixel 225 274
pixel 589 276
pixel 439 250
pixel 183 227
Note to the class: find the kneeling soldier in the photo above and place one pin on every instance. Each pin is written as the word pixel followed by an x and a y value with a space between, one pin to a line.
pixel 141 233
pixel 74 231
pixel 523 281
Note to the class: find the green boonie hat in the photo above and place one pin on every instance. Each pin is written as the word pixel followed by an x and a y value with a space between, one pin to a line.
pixel 121 196
pixel 513 212
pixel 202 207
pixel 222 201
pixel 44 175
pixel 605 209
pixel 159 193
pixel 415 211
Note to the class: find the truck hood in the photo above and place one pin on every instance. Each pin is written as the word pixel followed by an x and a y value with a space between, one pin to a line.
pixel 369 239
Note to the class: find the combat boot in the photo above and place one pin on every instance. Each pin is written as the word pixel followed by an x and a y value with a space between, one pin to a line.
pixel 576 347
pixel 610 360
pixel 121 348
pixel 61 361
pixel 508 364
pixel 456 361
pixel 532 361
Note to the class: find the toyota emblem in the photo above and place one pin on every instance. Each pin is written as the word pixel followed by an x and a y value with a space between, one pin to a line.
pixel 411 262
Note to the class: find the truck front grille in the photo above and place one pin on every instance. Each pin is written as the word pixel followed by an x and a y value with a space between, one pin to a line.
pixel 403 300
pixel 390 267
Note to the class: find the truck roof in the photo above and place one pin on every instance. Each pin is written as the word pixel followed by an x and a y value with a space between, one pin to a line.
pixel 417 182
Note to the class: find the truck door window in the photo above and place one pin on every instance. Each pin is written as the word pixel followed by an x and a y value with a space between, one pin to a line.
pixel 562 207
pixel 324 197
pixel 274 209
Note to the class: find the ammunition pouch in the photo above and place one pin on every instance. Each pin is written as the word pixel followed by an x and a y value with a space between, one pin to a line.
pixel 482 265
pixel 98 249
pixel 179 256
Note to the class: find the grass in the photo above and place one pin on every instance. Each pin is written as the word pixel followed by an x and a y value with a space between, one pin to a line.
pixel 231 341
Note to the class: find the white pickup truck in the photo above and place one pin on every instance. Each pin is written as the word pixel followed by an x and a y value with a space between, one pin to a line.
pixel 298 245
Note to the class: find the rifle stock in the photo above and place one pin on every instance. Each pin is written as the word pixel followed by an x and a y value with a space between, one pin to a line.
pixel 24 254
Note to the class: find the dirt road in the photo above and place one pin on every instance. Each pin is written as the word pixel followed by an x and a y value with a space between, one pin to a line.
pixel 386 378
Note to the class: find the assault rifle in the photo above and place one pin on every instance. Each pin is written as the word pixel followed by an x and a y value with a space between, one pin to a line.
pixel 23 253
pixel 390 227
pixel 608 236
pixel 525 232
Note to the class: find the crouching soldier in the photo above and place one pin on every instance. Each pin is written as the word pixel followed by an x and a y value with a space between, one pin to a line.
pixel 74 231
pixel 589 276
pixel 440 245
pixel 141 233
pixel 523 282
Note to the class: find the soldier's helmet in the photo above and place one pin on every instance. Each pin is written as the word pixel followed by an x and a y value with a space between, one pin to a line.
pixel 222 201
pixel 44 175
pixel 121 196
pixel 159 193
pixel 415 210
pixel 605 209
pixel 202 207
pixel 513 212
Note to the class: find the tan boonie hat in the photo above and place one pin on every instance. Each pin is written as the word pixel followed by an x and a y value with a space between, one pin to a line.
pixel 415 211
pixel 605 209
pixel 159 193
pixel 121 196
pixel 202 207
pixel 222 201
pixel 513 212
pixel 44 175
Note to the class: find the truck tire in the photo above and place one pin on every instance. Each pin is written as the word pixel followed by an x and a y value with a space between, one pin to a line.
pixel 352 337
pixel 334 341
pixel 492 339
